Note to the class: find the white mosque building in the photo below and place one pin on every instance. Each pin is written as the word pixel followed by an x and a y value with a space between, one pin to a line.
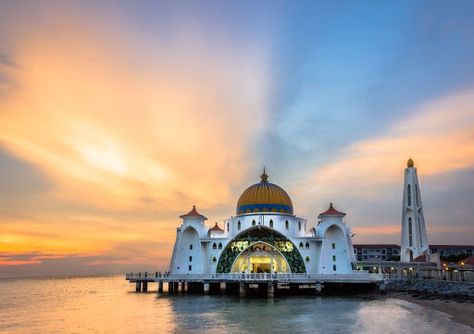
pixel 265 236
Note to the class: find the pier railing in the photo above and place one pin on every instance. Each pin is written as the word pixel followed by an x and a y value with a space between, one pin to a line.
pixel 355 276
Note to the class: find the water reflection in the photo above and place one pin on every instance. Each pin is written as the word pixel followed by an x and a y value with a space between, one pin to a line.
pixel 108 305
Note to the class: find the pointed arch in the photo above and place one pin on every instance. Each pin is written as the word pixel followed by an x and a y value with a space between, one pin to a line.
pixel 265 235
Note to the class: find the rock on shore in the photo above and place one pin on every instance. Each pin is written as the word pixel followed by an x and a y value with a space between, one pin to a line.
pixel 433 289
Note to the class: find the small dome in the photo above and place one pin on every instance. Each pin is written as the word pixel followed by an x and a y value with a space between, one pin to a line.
pixel 410 163
pixel 264 197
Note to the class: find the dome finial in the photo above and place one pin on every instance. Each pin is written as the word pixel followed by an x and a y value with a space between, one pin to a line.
pixel 410 163
pixel 264 175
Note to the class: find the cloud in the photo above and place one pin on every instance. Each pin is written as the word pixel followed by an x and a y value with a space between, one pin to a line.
pixel 438 135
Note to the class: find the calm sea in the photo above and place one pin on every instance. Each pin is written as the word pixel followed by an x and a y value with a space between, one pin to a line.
pixel 109 305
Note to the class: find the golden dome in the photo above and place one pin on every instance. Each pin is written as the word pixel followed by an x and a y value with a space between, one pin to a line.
pixel 264 197
pixel 410 163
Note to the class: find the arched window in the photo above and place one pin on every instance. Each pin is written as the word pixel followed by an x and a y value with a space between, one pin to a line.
pixel 214 246
pixel 307 259
pixel 190 258
pixel 239 225
pixel 271 223
pixel 214 259
pixel 306 245
pixel 227 226
pixel 410 232
pixel 334 258
pixel 409 194
pixel 299 226
pixel 253 222
pixel 286 224
pixel 301 245
pixel 220 245
pixel 191 247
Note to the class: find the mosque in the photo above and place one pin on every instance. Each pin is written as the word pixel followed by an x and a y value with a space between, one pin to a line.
pixel 264 236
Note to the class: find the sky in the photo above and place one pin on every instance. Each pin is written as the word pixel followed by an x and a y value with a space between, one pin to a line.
pixel 117 116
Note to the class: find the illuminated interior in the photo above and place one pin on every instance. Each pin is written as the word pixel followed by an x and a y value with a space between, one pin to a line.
pixel 260 258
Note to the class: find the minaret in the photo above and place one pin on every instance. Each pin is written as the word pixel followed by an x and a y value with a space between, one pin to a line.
pixel 414 239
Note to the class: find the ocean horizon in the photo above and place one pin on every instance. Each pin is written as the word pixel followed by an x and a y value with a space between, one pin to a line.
pixel 109 304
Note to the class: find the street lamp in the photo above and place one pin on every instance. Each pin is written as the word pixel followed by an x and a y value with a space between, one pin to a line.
pixel 462 271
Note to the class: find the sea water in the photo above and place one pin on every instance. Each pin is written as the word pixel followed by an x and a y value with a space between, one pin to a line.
pixel 110 305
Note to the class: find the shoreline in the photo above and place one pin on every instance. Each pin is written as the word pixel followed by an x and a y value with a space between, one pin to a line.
pixel 460 312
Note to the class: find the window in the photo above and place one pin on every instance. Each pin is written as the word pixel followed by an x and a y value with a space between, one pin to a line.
pixel 334 258
pixel 301 245
pixel 191 247
pixel 190 267
pixel 307 245
pixel 333 245
pixel 286 224
pixel 239 225
pixel 214 246
pixel 409 194
pixel 220 245
pixel 214 259
pixel 227 226
pixel 417 195
pixel 190 258
pixel 334 267
pixel 383 251
pixel 410 232
pixel 253 222
pixel 271 223
pixel 419 232
pixel 299 226
pixel 307 259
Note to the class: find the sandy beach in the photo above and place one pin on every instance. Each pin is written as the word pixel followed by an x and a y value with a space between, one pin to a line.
pixel 461 312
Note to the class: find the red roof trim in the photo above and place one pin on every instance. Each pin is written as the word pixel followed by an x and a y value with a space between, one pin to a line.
pixel 332 212
pixel 193 214
pixel 216 228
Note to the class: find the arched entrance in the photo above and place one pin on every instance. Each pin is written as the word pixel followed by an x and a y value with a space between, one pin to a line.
pixel 260 258
pixel 271 239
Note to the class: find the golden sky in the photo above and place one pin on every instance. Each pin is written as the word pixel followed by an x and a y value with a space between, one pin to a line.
pixel 112 126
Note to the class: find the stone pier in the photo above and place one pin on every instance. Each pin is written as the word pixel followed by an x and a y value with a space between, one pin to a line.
pixel 270 289
pixel 319 288
pixel 242 289
pixel 206 288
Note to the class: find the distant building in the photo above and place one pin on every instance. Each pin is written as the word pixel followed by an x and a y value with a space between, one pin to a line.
pixel 377 252
pixel 391 252
pixel 452 250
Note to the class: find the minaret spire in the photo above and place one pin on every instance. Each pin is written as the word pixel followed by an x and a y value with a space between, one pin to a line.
pixel 414 238
pixel 264 175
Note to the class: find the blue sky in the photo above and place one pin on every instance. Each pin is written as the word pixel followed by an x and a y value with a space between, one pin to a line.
pixel 118 115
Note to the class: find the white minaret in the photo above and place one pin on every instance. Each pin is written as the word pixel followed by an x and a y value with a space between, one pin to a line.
pixel 414 239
